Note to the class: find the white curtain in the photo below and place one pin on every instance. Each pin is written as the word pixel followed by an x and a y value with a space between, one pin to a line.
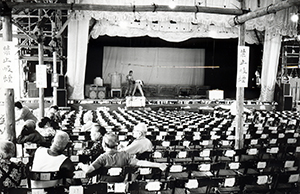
pixel 167 66
pixel 271 54
pixel 77 49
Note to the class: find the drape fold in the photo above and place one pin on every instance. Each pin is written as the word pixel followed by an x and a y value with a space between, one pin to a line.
pixel 270 61
pixel 77 49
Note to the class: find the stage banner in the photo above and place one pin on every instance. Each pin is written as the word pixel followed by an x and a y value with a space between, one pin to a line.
pixel 243 67
pixel 41 76
pixel 8 64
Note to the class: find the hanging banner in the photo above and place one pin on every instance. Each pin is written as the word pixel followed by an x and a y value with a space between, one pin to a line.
pixel 243 67
pixel 41 76
pixel 8 64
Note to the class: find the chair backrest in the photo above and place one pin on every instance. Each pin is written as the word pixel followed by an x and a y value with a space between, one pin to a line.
pixel 114 174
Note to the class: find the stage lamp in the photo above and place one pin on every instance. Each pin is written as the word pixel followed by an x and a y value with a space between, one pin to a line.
pixel 172 4
pixel 294 18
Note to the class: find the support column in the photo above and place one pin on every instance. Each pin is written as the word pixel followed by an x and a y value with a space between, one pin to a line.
pixel 239 142
pixel 10 124
pixel 41 62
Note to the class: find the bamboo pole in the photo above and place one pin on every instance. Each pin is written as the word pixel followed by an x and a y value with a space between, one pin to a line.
pixel 41 62
pixel 9 104
pixel 124 8
pixel 239 142
pixel 273 8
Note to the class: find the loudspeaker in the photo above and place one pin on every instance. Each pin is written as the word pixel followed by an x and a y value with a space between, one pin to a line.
pixel 286 89
pixel 61 82
pixel 93 91
pixel 288 103
pixel 62 98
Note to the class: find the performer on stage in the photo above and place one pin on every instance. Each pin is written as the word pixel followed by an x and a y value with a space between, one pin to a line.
pixel 138 84
pixel 130 83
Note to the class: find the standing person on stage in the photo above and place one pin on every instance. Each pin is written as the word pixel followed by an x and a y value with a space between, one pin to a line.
pixel 25 112
pixel 138 84
pixel 130 83
pixel 140 144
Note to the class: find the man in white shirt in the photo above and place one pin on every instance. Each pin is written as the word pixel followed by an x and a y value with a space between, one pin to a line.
pixel 140 144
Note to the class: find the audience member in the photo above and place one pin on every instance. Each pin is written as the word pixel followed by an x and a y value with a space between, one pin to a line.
pixel 140 144
pixel 53 160
pixel 54 114
pixel 114 158
pixel 88 121
pixel 97 133
pixel 11 173
pixel 47 127
pixel 29 134
pixel 25 112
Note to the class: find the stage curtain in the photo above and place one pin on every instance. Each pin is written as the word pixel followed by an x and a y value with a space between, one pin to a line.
pixel 271 54
pixel 166 66
pixel 77 49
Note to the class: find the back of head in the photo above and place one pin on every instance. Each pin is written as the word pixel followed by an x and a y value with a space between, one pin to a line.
pixel 28 127
pixel 54 107
pixel 141 127
pixel 7 149
pixel 18 105
pixel 30 124
pixel 60 141
pixel 110 140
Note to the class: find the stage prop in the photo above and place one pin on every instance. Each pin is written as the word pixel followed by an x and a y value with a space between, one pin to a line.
pixel 135 101
pixel 215 94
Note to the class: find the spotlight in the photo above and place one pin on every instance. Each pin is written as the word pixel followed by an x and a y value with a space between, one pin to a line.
pixel 172 4
pixel 294 18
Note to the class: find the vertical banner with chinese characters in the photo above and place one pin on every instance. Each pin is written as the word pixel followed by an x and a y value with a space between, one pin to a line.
pixel 41 76
pixel 8 64
pixel 243 67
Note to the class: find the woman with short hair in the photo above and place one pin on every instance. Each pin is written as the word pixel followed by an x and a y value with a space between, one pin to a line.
pixel 11 173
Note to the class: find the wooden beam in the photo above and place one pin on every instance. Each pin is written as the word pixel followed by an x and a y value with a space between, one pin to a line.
pixel 124 8
pixel 273 8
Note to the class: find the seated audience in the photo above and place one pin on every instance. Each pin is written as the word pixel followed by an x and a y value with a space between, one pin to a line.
pixel 54 114
pixel 11 173
pixel 29 134
pixel 97 133
pixel 53 160
pixel 24 112
pixel 87 121
pixel 47 127
pixel 114 158
pixel 140 144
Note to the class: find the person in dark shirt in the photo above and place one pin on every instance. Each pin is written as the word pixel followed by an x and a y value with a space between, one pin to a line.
pixel 29 134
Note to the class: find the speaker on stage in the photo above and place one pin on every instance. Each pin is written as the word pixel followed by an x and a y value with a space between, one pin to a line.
pixel 286 89
pixel 61 98
pixel 61 82
pixel 288 103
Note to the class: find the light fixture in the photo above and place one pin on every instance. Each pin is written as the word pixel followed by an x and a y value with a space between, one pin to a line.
pixel 172 4
pixel 294 18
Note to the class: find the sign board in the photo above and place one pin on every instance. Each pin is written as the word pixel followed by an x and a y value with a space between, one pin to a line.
pixel 8 64
pixel 41 76
pixel 243 67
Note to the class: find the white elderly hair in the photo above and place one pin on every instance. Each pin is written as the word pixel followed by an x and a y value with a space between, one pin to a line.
pixel 7 149
pixel 60 141
pixel 141 127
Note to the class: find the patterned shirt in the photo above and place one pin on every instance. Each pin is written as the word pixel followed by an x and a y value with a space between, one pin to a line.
pixel 11 173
